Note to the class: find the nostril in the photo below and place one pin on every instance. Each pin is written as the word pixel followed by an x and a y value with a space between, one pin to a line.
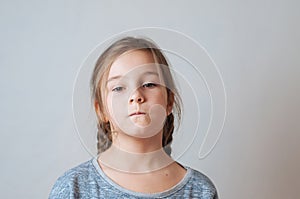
pixel 137 100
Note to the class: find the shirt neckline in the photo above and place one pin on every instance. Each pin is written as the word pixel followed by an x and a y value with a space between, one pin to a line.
pixel 172 190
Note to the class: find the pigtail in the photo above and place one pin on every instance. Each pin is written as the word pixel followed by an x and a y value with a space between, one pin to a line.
pixel 104 138
pixel 168 133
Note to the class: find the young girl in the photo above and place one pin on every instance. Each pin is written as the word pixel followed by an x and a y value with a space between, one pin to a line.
pixel 135 100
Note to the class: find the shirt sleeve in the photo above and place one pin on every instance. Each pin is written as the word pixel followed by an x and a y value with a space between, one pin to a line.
pixel 61 189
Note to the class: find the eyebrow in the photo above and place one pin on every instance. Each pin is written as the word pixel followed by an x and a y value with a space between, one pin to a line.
pixel 119 76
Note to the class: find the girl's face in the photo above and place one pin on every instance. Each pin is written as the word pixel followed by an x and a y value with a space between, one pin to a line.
pixel 136 98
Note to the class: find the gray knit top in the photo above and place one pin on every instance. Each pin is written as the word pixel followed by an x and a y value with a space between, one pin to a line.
pixel 88 181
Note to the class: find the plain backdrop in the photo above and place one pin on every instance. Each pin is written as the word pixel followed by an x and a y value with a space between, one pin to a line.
pixel 254 43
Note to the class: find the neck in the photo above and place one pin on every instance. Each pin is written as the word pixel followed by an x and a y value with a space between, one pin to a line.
pixel 133 144
pixel 136 155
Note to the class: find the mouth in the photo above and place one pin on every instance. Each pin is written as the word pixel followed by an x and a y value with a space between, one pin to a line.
pixel 137 113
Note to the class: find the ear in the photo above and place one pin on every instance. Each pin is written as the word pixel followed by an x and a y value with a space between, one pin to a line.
pixel 170 104
pixel 100 115
pixel 97 109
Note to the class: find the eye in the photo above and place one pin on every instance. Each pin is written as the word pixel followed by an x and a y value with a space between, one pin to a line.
pixel 149 85
pixel 118 89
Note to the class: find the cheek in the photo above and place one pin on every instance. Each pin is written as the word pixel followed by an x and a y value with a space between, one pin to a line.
pixel 116 106
pixel 164 95
pixel 159 97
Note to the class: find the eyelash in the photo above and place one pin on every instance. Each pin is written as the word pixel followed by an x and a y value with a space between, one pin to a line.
pixel 149 85
pixel 146 85
pixel 117 89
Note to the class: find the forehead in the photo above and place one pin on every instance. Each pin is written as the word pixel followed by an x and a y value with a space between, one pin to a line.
pixel 131 61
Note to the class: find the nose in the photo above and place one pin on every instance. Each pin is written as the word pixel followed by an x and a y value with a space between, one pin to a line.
pixel 137 97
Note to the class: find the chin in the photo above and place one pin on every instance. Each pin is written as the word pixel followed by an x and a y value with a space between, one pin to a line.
pixel 141 132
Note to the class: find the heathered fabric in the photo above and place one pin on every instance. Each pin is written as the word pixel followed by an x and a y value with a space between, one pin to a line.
pixel 88 181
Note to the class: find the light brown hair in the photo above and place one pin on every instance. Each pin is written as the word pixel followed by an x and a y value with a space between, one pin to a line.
pixel 100 75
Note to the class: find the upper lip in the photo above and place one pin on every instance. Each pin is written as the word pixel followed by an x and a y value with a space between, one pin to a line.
pixel 137 113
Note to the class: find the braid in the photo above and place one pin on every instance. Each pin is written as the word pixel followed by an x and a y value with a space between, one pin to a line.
pixel 168 133
pixel 104 137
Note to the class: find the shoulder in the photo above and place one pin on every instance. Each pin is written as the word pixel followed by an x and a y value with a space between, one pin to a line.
pixel 74 178
pixel 201 179
pixel 84 170
pixel 202 183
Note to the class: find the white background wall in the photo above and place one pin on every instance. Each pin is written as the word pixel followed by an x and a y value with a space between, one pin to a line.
pixel 254 43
